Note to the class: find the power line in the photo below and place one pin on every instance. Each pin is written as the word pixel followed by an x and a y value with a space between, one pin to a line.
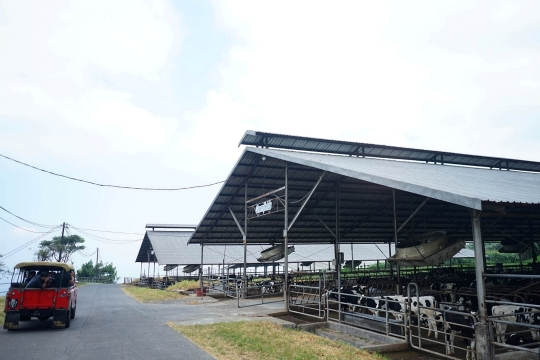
pixel 100 237
pixel 106 240
pixel 36 232
pixel 16 250
pixel 28 221
pixel 109 185
pixel 51 226
pixel 113 232
pixel 86 255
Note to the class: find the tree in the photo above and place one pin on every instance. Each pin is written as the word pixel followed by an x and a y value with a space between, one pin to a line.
pixel 105 273
pixel 59 249
pixel 86 270
pixel 108 272
pixel 3 268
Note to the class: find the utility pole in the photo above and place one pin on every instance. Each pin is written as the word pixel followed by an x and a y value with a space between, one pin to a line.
pixel 61 242
pixel 97 257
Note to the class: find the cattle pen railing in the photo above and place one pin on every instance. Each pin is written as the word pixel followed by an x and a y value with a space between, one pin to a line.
pixel 247 292
pixel 444 343
pixel 338 301
pixel 522 320
pixel 307 300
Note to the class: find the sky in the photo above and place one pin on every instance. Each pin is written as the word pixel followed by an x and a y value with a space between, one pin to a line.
pixel 159 93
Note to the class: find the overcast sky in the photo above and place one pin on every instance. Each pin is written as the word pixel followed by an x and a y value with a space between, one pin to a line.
pixel 158 94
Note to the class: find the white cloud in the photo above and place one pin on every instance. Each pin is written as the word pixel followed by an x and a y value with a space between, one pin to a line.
pixel 65 67
pixel 96 81
pixel 396 73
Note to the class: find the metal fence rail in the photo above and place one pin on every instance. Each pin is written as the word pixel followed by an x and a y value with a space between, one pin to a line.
pixel 307 300
pixel 522 320
pixel 389 324
pixel 96 280
pixel 255 291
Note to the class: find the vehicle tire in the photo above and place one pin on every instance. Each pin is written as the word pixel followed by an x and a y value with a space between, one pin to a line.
pixel 72 315
pixel 68 320
pixel 25 318
pixel 43 318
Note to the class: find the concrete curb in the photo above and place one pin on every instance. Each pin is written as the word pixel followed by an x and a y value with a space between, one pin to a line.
pixel 388 343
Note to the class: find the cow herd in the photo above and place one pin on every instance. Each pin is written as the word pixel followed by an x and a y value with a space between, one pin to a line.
pixel 443 313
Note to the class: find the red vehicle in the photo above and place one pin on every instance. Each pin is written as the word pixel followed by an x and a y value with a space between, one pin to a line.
pixel 41 290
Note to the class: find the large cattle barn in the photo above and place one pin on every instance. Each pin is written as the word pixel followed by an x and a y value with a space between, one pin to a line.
pixel 287 191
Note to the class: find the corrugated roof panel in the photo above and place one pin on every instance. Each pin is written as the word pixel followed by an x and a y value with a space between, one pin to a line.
pixel 171 248
pixel 459 185
pixel 346 147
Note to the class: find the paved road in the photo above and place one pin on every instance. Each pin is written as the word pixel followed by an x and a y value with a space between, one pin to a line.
pixel 109 325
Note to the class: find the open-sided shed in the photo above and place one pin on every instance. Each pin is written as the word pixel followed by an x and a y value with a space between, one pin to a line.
pixel 297 190
pixel 170 247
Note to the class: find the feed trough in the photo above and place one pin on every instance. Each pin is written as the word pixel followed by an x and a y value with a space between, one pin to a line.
pixel 431 248
pixel 275 253
pixel 169 267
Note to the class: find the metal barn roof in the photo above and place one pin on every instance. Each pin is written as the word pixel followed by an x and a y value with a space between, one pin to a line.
pixel 302 143
pixel 459 185
pixel 171 248
pixel 365 187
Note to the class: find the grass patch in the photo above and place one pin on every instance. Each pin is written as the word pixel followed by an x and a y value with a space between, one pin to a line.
pixel 146 295
pixel 265 340
pixel 2 313
pixel 184 285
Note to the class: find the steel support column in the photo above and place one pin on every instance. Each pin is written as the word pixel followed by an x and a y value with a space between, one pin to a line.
pixel 336 249
pixel 484 347
pixel 352 258
pixel 286 240
pixel 201 269
pixel 244 293
pixel 147 253
pixel 396 241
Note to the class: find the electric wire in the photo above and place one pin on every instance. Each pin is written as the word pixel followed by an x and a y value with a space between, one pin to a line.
pixel 28 221
pixel 51 226
pixel 36 232
pixel 105 240
pixel 110 185
pixel 100 237
pixel 297 201
pixel 86 255
pixel 113 232
pixel 16 250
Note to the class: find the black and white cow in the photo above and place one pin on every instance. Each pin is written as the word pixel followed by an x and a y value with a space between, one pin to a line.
pixel 517 314
pixel 397 306
pixel 372 304
pixel 462 324
pixel 349 297
pixel 267 286
pixel 446 289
